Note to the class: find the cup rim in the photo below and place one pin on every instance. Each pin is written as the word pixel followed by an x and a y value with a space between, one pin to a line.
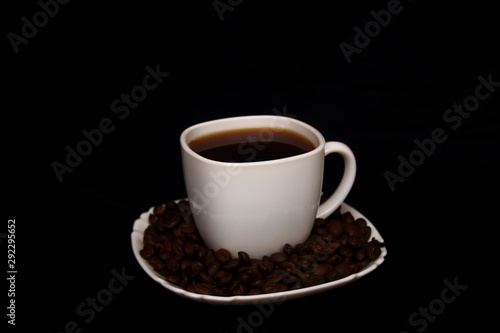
pixel 185 147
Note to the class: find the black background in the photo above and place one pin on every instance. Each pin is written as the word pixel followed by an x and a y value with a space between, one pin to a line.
pixel 439 224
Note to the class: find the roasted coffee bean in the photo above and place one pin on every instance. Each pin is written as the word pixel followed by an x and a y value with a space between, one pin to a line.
pixel 321 231
pixel 153 261
pixel 333 259
pixel 195 269
pixel 307 257
pixel 157 263
pixel 354 267
pixel 258 283
pixel 204 277
pixel 184 280
pixel 336 228
pixel 360 254
pixel 164 255
pixel 288 249
pixel 158 210
pixel 254 273
pixel 373 251
pixel 321 253
pixel 221 292
pixel 343 269
pixel 376 242
pixel 187 228
pixel 296 285
pixel 366 230
pixel 170 219
pixel 278 257
pixel 210 259
pixel 173 265
pixel 360 222
pixel 147 251
pixel 152 219
pixel 313 240
pixel 167 245
pixel 363 264
pixel 178 247
pixel 300 249
pixel 276 276
pixel 185 211
pixel 161 238
pixel 312 280
pixel 219 275
pixel 305 261
pixel 202 253
pixel 352 230
pixel 255 262
pixel 301 275
pixel 355 243
pixel 347 217
pixel 320 269
pixel 211 253
pixel 231 265
pixel 185 265
pixel 190 250
pixel 332 276
pixel 337 247
pixel 170 205
pixel 240 289
pixel 191 288
pixel 282 287
pixel 333 247
pixel 290 278
pixel 203 288
pixel 213 267
pixel 244 277
pixel 270 287
pixel 177 233
pixel 343 239
pixel 254 291
pixel 232 286
pixel 287 266
pixel 266 267
pixel 194 237
pixel 225 279
pixel 319 222
pixel 150 236
pixel 223 255
pixel 158 247
pixel 244 258
pixel 172 278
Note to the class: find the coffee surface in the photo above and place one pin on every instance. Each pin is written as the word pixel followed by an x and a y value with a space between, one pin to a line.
pixel 251 145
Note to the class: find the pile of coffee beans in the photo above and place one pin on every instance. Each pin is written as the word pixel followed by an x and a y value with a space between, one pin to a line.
pixel 337 247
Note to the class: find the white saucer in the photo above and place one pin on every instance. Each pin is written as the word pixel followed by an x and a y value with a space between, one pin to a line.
pixel 137 244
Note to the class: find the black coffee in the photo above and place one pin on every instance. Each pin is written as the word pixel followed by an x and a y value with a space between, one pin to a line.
pixel 251 145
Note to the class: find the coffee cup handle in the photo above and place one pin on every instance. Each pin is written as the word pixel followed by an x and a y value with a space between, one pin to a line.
pixel 336 199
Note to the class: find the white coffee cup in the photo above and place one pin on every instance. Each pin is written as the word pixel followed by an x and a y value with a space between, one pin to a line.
pixel 258 207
